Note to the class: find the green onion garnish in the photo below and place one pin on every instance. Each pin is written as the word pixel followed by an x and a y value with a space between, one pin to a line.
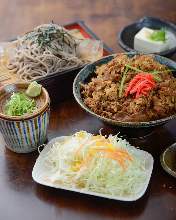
pixel 123 81
pixel 19 104
pixel 154 72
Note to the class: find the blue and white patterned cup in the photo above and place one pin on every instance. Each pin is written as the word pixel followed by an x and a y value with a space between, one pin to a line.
pixel 24 134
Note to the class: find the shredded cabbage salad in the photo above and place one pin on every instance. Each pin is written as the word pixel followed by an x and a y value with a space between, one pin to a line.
pixel 99 164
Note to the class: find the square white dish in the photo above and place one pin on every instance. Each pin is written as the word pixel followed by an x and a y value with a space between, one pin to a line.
pixel 41 174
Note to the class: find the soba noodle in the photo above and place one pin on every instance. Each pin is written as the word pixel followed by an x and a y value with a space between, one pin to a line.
pixel 47 49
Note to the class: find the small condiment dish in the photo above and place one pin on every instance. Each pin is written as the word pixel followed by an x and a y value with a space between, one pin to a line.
pixel 168 160
pixel 127 34
pixel 23 134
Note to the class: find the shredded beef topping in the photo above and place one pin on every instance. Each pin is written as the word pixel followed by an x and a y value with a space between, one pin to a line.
pixel 101 93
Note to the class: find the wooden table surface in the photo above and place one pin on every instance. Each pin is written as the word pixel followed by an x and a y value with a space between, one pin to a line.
pixel 21 197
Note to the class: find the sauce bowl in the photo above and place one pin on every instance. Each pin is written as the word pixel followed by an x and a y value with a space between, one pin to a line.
pixel 23 134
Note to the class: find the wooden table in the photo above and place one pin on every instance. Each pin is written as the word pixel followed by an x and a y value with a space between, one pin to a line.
pixel 21 197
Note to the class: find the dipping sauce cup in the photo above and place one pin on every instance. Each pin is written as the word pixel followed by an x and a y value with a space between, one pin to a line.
pixel 23 134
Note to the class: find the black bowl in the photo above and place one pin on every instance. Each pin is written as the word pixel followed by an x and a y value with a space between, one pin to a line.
pixel 127 34
pixel 85 75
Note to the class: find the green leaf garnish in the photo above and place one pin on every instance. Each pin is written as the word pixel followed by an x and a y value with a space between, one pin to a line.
pixel 158 35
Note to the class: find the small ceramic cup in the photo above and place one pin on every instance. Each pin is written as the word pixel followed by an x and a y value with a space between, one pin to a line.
pixel 23 134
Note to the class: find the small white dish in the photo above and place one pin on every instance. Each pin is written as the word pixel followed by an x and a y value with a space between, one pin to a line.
pixel 41 174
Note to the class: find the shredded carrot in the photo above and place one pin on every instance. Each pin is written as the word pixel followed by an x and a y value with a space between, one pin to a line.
pixel 119 155
pixel 120 161
pixel 86 161
pixel 100 141
pixel 78 150
pixel 108 150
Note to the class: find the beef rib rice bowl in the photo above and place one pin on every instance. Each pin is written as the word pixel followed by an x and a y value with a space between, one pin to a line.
pixel 133 89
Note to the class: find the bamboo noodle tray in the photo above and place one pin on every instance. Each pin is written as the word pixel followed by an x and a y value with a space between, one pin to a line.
pixel 57 83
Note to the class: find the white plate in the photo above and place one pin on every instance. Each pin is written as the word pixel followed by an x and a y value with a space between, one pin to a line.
pixel 40 174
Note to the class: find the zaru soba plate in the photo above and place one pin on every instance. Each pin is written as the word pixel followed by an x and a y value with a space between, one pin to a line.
pixel 43 175
pixel 58 82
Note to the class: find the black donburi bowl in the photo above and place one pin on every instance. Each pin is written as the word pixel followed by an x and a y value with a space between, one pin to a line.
pixel 141 128
pixel 127 34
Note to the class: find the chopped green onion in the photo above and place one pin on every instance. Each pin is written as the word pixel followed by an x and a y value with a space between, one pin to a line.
pixel 19 104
